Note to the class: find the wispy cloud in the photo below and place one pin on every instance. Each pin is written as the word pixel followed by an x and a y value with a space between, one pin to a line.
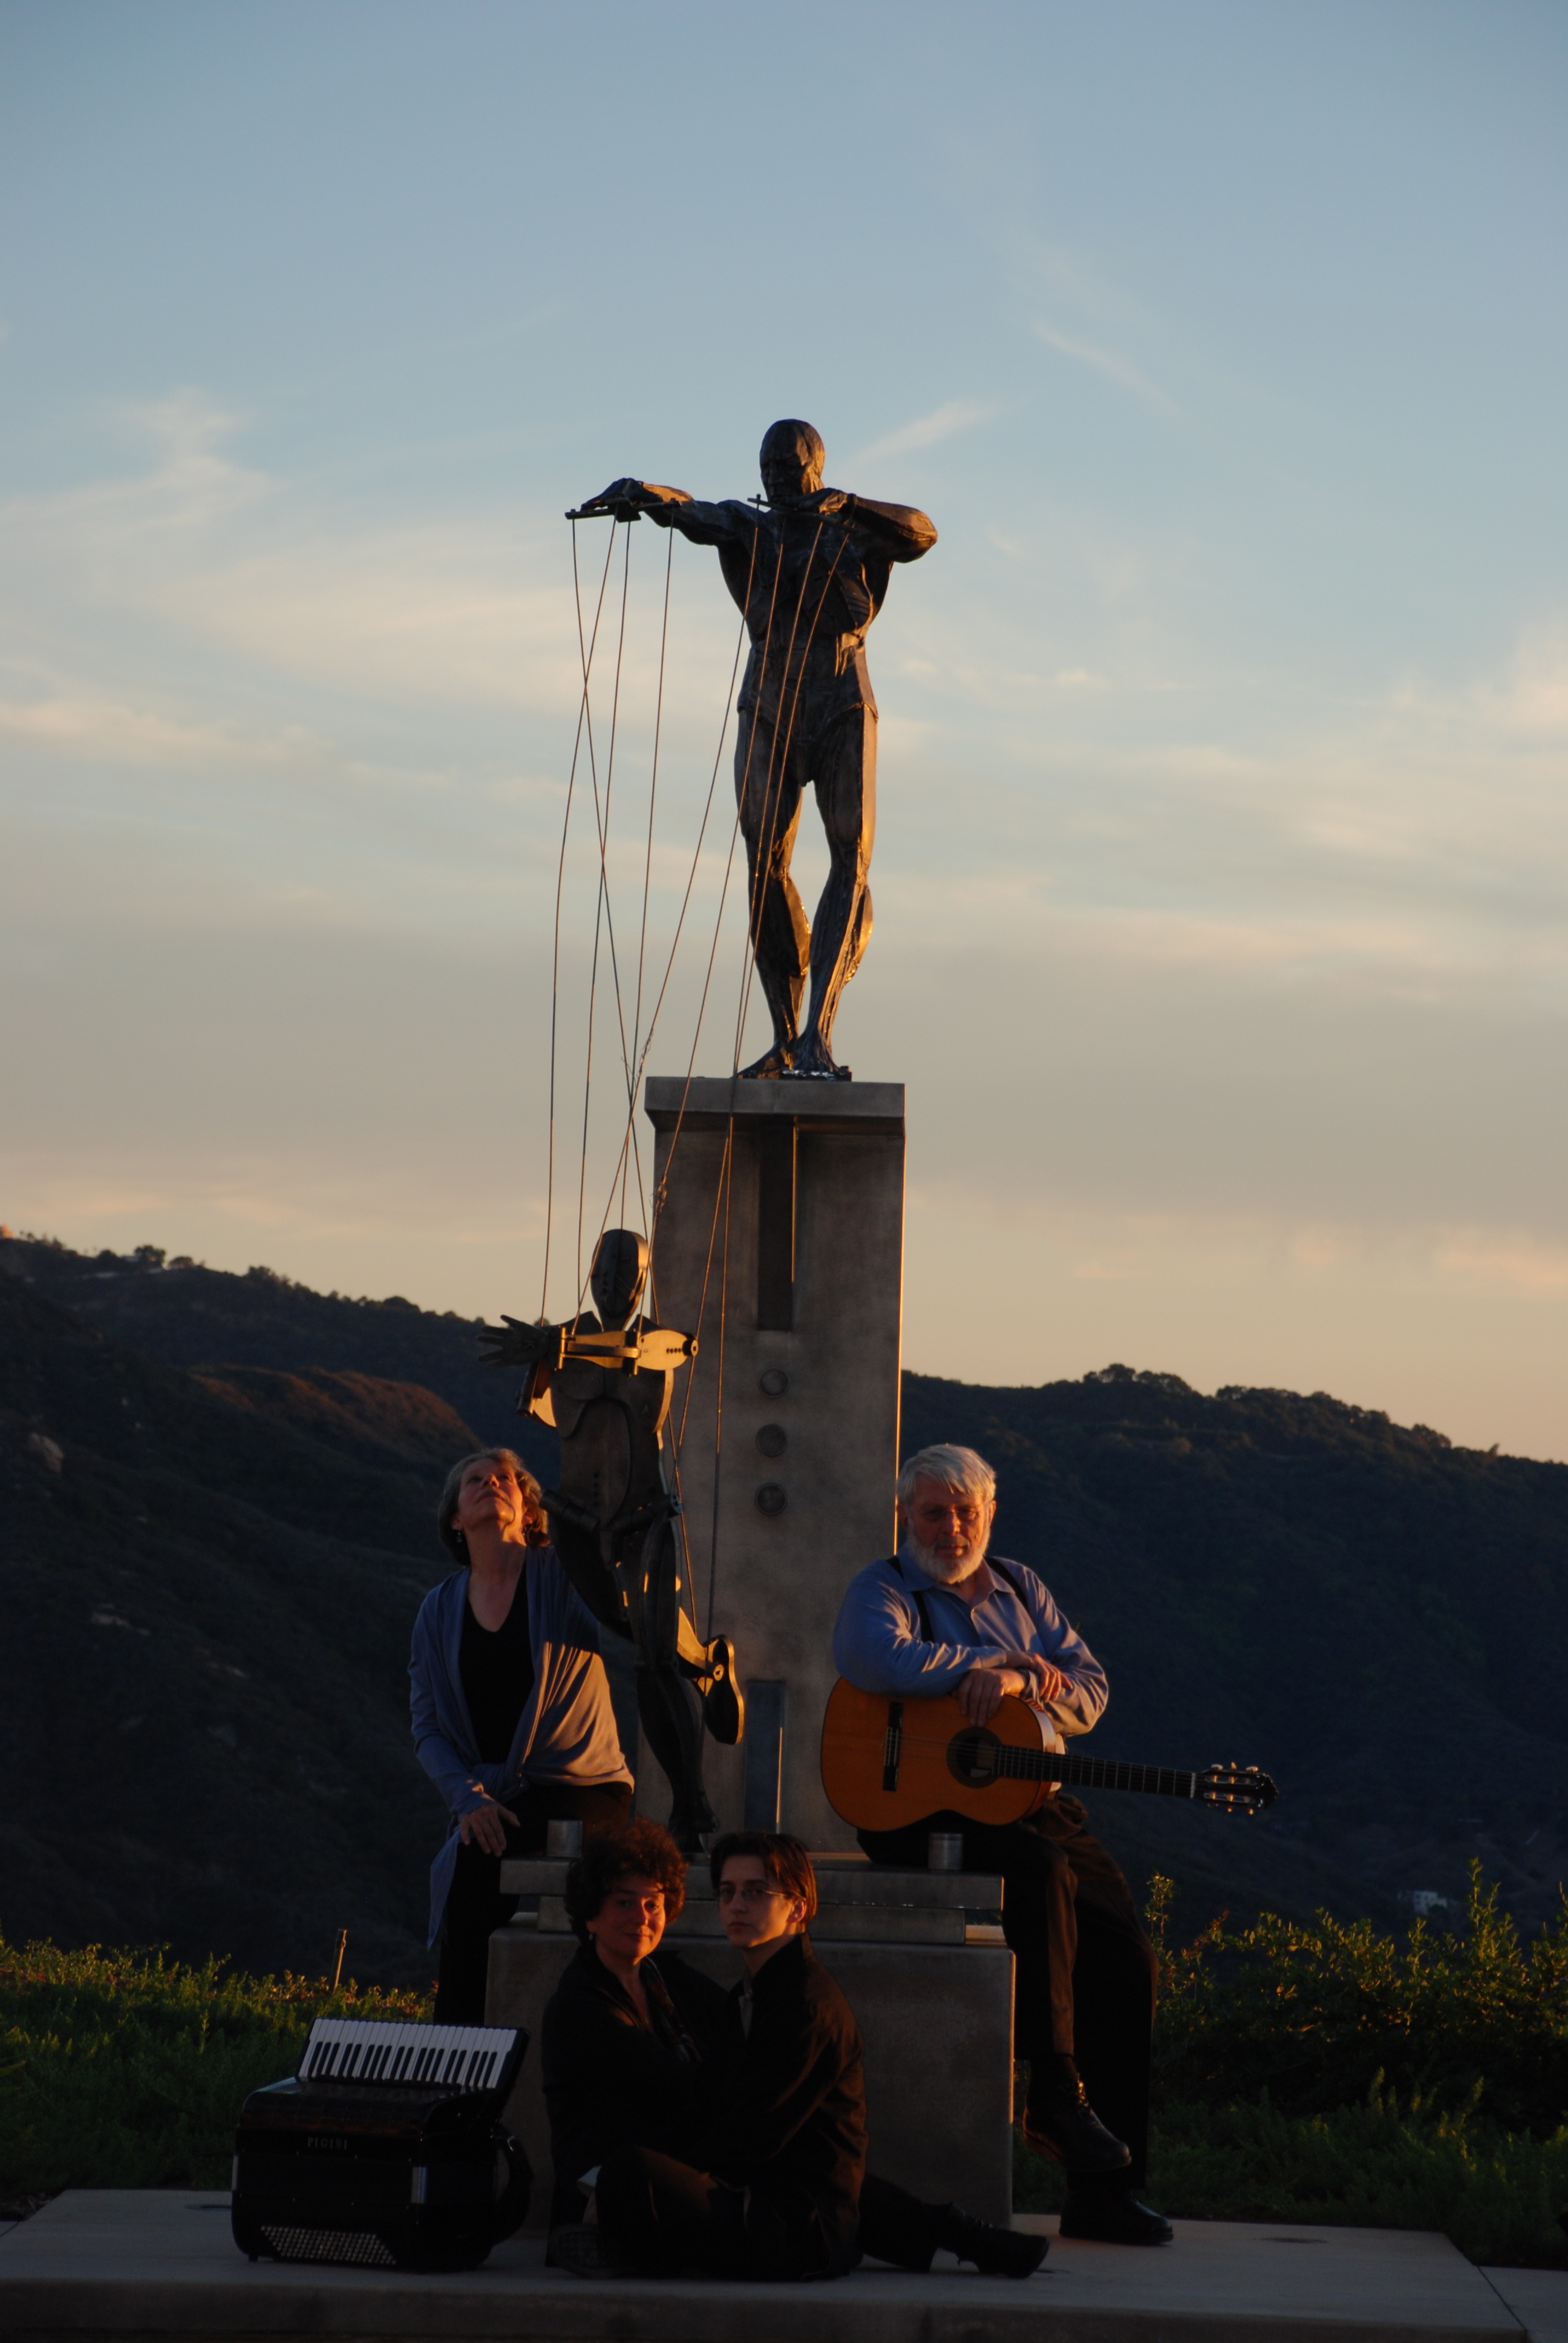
pixel 942 423
pixel 1116 369
pixel 116 733
pixel 1510 1261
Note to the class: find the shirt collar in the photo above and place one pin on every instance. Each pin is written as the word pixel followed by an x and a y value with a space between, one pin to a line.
pixel 775 1969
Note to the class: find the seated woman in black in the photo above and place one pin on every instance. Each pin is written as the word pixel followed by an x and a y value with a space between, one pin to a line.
pixel 632 2049
pixel 755 2169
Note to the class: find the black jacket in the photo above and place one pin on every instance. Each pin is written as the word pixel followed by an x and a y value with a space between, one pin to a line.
pixel 791 2122
pixel 611 2080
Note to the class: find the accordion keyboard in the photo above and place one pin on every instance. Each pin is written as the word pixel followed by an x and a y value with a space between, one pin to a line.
pixel 368 2051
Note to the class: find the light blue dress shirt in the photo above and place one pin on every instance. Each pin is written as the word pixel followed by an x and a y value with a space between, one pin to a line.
pixel 879 1643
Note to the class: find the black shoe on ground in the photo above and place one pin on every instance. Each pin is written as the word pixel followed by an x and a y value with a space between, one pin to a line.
pixel 1059 2123
pixel 1114 2218
pixel 995 2253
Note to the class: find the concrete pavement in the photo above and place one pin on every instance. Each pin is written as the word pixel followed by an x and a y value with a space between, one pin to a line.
pixel 152 2264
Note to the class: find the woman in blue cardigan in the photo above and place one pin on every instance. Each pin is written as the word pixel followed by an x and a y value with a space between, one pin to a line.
pixel 511 1709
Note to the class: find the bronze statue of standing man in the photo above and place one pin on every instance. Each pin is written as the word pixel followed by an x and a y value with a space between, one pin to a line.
pixel 810 568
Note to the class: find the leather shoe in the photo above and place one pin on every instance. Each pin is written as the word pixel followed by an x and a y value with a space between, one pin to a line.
pixel 1059 2124
pixel 723 1705
pixel 1112 2218
pixel 995 2253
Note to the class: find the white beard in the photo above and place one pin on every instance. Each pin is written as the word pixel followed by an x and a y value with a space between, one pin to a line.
pixel 939 1570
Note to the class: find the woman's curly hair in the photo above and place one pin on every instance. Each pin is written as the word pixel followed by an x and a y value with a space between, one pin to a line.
pixel 640 1848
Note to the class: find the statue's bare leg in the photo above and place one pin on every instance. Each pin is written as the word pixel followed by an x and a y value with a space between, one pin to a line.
pixel 768 793
pixel 846 776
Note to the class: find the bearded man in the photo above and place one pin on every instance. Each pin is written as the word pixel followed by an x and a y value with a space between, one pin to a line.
pixel 938 1617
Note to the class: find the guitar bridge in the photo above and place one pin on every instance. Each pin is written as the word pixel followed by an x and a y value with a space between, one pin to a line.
pixel 894 1745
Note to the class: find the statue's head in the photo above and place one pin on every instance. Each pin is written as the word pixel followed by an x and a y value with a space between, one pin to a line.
pixel 792 460
pixel 619 1274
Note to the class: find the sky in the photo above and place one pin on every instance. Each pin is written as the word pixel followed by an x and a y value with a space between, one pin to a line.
pixel 1222 832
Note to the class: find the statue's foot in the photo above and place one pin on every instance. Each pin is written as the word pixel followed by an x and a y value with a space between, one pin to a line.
pixel 691 1822
pixel 723 1703
pixel 812 1060
pixel 770 1067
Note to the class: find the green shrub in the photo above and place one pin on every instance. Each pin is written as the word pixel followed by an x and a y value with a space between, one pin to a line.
pixel 125 2070
pixel 1319 2014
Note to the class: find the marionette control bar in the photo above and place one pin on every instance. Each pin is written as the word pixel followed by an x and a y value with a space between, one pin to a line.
pixel 656 1349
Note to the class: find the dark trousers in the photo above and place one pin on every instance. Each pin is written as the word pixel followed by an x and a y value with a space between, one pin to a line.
pixel 476 1906
pixel 666 2217
pixel 1085 1975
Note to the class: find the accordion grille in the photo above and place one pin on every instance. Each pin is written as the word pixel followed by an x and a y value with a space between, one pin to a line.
pixel 360 2246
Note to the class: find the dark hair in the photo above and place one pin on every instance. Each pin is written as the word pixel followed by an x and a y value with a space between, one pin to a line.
pixel 640 1846
pixel 445 1512
pixel 784 1859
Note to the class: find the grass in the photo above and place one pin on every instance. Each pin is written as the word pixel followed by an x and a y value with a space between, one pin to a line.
pixel 1380 2165
pixel 126 2070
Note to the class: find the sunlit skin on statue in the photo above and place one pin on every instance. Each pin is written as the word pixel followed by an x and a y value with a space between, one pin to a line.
pixel 810 569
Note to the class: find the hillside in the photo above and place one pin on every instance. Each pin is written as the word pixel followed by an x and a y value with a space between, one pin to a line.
pixel 204 1732
pixel 215 1593
pixel 190 1316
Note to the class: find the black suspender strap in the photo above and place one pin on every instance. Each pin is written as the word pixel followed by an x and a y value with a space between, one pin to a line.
pixel 999 1570
pixel 926 1634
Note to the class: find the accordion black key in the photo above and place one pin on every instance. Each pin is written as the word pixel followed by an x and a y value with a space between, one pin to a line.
pixel 384 2148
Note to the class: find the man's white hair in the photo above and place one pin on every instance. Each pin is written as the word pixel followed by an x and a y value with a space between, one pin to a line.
pixel 955 1468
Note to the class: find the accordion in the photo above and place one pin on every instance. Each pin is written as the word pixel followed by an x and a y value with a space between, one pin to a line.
pixel 384 2148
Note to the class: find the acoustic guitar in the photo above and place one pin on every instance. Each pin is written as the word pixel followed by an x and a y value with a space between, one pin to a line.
pixel 889 1762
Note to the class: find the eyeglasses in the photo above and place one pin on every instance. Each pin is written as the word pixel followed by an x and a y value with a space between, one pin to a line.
pixel 747 1891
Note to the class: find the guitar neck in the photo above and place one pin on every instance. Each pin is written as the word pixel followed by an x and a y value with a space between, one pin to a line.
pixel 1096 1773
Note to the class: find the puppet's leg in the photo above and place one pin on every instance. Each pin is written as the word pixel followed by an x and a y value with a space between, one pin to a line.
pixel 649 1577
pixel 576 1538
pixel 667 1702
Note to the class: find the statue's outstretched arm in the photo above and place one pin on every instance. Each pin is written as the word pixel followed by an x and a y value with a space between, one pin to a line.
pixel 899 531
pixel 626 496
pixel 515 1343
pixel 704 524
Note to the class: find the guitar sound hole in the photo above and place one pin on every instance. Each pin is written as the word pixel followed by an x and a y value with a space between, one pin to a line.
pixel 971 1758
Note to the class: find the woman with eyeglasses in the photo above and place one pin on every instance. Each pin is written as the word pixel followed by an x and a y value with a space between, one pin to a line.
pixel 751 2161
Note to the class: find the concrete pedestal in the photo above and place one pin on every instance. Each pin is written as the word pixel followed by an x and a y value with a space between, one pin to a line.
pixel 930 1985
pixel 780 1243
